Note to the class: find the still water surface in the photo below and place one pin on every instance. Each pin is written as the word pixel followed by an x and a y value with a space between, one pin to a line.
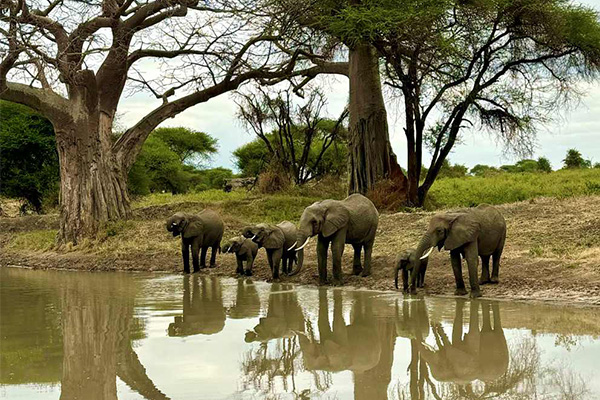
pixel 76 335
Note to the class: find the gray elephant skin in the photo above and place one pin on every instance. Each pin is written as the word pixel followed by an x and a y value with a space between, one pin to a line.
pixel 470 234
pixel 278 241
pixel 405 262
pixel 352 221
pixel 200 232
pixel 244 250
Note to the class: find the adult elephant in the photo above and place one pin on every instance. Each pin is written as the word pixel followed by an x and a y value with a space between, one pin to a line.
pixel 278 241
pixel 353 220
pixel 471 233
pixel 202 231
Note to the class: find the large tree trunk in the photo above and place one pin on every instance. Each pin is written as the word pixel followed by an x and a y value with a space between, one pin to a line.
pixel 371 157
pixel 93 183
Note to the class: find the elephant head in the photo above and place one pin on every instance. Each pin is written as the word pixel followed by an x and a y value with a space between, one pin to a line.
pixel 233 245
pixel 450 231
pixel 265 235
pixel 321 218
pixel 185 225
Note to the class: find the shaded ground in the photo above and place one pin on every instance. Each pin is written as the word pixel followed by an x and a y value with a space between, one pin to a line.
pixel 552 251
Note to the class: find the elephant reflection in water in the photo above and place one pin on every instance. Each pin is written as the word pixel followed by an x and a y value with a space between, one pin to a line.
pixel 247 302
pixel 284 316
pixel 481 353
pixel 203 311
pixel 97 326
pixel 365 346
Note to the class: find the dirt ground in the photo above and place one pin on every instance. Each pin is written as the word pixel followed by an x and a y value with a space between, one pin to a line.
pixel 552 251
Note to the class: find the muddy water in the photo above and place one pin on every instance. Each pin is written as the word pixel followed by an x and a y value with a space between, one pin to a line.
pixel 75 335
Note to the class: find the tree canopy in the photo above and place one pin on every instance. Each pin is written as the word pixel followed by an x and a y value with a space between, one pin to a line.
pixel 29 167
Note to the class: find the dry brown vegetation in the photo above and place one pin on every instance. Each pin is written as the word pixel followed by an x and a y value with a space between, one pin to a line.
pixel 552 251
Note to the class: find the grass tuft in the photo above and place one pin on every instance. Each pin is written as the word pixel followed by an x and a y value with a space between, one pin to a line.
pixel 39 240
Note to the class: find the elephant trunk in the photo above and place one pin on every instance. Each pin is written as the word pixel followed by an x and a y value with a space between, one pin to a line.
pixel 302 238
pixel 425 244
pixel 396 275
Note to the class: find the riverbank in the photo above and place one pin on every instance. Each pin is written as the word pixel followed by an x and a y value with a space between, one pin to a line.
pixel 552 251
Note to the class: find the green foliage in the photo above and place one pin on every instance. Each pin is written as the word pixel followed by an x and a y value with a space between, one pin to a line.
pixel 254 158
pixel 484 170
pixel 574 159
pixel 448 170
pixel 191 147
pixel 511 187
pixel 544 164
pixel 168 163
pixel 30 168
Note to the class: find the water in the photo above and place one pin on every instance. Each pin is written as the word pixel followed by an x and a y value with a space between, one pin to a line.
pixel 75 335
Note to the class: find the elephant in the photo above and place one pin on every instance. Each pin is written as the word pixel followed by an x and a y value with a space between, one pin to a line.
pixel 479 354
pixel 406 261
pixel 353 220
pixel 203 311
pixel 413 322
pixel 470 233
pixel 244 250
pixel 200 232
pixel 284 317
pixel 278 241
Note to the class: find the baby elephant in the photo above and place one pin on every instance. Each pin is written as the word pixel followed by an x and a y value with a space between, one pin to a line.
pixel 278 240
pixel 406 262
pixel 200 232
pixel 244 250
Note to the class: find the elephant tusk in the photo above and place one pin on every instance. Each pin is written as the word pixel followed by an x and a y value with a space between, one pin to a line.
pixel 229 248
pixel 301 247
pixel 253 237
pixel 428 253
pixel 292 246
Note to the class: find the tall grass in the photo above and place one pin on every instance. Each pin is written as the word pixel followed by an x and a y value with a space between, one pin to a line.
pixel 513 187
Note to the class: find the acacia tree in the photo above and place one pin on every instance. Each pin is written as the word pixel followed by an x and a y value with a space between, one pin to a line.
pixel 297 137
pixel 71 61
pixel 505 65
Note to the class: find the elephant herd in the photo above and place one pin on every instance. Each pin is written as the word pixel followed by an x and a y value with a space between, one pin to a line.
pixel 469 234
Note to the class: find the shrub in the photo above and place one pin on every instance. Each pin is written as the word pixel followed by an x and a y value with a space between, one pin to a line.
pixel 273 181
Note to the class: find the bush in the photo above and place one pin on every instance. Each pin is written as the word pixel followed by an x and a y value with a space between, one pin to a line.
pixel 30 168
pixel 273 181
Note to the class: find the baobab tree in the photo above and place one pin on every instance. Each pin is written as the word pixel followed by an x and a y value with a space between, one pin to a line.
pixel 72 61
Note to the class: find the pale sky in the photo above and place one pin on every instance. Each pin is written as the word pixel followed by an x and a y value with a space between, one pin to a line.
pixel 576 128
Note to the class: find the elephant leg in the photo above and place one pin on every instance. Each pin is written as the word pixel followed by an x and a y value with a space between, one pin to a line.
pixel 368 252
pixel 195 250
pixel 270 259
pixel 249 263
pixel 496 265
pixel 185 254
pixel 240 266
pixel 213 256
pixel 337 250
pixel 276 257
pixel 473 263
pixel 457 269
pixel 356 267
pixel 485 270
pixel 322 245
pixel 203 257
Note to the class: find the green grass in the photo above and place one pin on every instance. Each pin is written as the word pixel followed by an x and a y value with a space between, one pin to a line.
pixel 510 188
pixel 39 240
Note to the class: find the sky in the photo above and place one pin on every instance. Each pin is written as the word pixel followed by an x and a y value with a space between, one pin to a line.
pixel 578 127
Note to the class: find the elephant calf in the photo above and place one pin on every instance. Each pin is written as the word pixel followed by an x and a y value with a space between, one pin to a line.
pixel 471 233
pixel 406 262
pixel 244 250
pixel 198 232
pixel 278 240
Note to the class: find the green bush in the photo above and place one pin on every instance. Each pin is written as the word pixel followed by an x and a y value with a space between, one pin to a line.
pixel 30 168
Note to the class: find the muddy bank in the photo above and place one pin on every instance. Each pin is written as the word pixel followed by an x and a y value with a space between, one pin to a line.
pixel 552 251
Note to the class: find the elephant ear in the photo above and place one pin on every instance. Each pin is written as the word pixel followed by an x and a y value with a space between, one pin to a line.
pixel 336 218
pixel 464 229
pixel 274 238
pixel 193 228
pixel 242 246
